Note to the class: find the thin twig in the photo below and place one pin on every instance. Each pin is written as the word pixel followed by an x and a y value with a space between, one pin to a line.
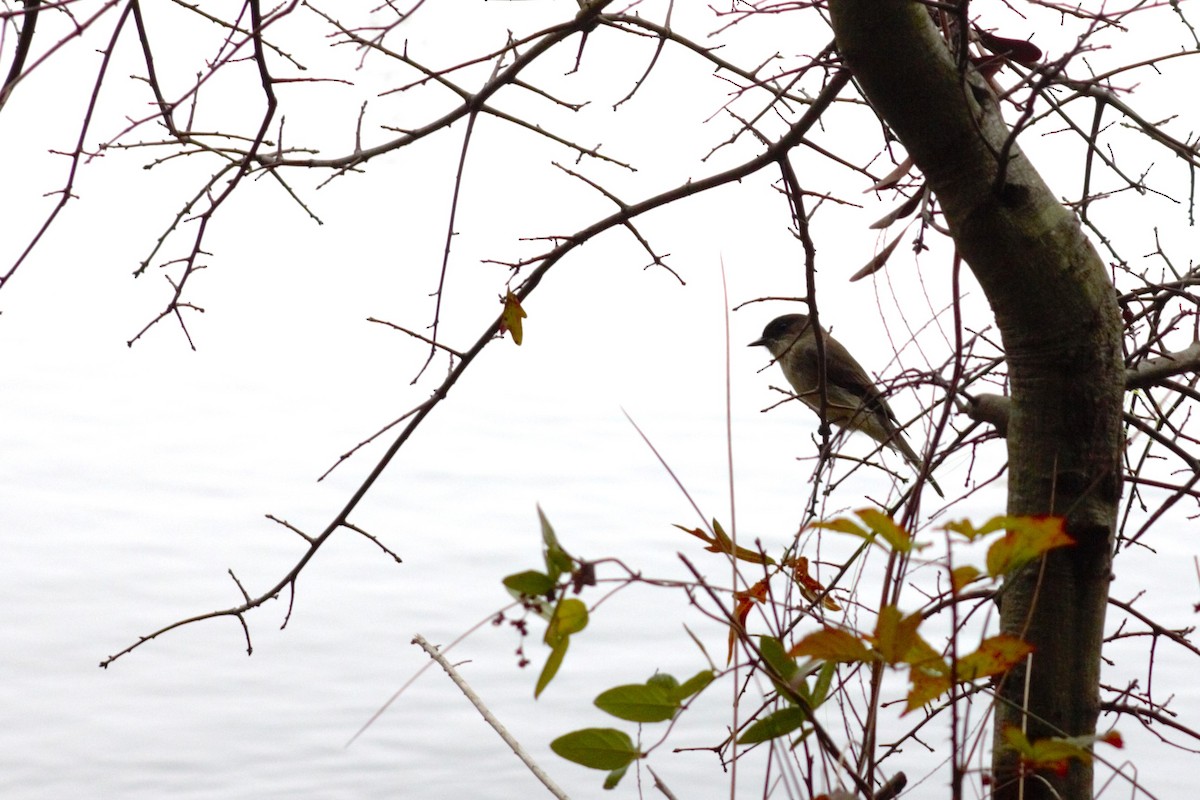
pixel 487 715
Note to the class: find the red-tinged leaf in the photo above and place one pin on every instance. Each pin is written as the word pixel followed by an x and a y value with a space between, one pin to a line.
pixel 1019 50
pixel 893 177
pixel 987 66
pixel 744 601
pixel 996 655
pixel 899 212
pixel 878 261
pixel 810 587
pixel 1026 539
pixel 1113 738
pixel 895 634
pixel 831 644
pixel 511 316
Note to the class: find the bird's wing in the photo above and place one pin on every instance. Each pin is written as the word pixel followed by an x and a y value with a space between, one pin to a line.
pixel 843 371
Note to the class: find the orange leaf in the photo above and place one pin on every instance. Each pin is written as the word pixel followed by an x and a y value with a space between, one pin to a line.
pixel 721 543
pixel 809 586
pixel 743 602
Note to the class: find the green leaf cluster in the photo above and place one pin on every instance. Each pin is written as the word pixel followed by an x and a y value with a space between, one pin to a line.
pixel 537 589
pixel 804 689
pixel 656 700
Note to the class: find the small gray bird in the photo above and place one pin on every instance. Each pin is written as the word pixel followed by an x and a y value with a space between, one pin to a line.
pixel 853 401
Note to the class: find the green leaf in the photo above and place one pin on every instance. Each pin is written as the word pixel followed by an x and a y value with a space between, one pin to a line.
pixel 530 583
pixel 557 559
pixel 774 653
pixel 778 723
pixel 694 685
pixel 665 681
pixel 820 691
pixel 634 702
pixel 557 654
pixel 598 748
pixel 613 778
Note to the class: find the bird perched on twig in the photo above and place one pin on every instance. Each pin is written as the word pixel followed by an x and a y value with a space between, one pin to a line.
pixel 852 399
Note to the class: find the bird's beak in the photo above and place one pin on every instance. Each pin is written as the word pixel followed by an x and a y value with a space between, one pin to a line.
pixel 758 343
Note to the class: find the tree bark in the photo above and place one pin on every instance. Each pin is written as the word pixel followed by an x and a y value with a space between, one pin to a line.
pixel 1057 314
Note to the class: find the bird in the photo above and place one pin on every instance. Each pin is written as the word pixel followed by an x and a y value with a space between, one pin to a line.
pixel 853 401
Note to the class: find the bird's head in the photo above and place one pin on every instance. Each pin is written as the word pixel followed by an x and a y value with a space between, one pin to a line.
pixel 781 333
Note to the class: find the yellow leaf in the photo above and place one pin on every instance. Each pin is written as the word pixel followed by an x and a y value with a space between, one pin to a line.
pixel 570 616
pixel 927 686
pixel 895 635
pixel 880 523
pixel 879 526
pixel 842 525
pixel 832 644
pixel 1025 539
pixel 995 656
pixel 511 316
pixel 1053 753
pixel 961 576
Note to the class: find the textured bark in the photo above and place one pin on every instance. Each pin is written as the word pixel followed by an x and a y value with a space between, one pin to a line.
pixel 1056 311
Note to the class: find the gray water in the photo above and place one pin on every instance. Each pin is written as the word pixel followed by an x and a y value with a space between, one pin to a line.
pixel 128 493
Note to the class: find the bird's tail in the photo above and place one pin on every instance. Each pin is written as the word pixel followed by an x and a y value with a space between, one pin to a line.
pixel 898 443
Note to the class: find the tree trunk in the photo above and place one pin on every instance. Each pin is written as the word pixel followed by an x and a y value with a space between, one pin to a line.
pixel 1057 313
